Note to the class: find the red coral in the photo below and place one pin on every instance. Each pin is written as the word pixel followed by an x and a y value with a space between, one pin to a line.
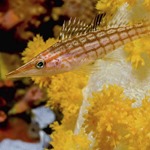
pixel 9 19
pixel 17 128
pixel 3 116
pixel 2 102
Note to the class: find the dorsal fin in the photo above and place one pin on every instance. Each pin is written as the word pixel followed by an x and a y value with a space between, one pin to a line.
pixel 96 22
pixel 77 27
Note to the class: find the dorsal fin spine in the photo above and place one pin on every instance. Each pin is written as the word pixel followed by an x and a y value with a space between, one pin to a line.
pixel 77 27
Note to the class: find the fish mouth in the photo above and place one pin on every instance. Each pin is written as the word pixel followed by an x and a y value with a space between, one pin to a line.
pixel 15 74
pixel 23 71
pixel 12 74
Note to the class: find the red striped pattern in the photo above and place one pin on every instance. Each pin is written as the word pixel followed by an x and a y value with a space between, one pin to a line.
pixel 95 44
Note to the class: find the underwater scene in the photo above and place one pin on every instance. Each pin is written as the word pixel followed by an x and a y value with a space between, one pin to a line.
pixel 75 75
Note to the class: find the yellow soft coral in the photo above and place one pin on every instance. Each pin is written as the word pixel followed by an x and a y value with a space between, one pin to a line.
pixel 135 50
pixel 115 124
pixel 65 91
pixel 146 3
pixel 3 68
pixel 67 140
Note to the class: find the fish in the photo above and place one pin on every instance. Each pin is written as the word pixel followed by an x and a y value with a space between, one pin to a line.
pixel 79 46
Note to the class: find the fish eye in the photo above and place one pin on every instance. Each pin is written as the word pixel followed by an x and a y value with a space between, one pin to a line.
pixel 40 64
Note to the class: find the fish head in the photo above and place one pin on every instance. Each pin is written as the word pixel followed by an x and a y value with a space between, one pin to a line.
pixel 32 68
pixel 40 66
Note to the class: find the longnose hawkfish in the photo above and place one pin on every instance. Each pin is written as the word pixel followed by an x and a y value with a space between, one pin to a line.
pixel 79 46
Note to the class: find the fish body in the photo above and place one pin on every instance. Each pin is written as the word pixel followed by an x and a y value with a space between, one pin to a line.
pixel 80 50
